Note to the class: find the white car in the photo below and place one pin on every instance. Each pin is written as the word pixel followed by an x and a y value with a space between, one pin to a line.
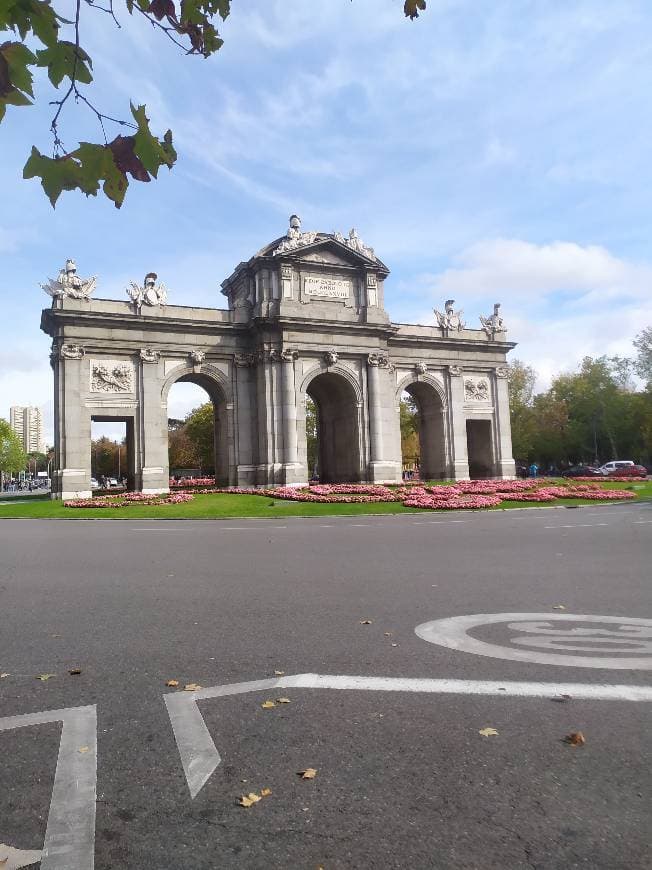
pixel 612 467
pixel 94 483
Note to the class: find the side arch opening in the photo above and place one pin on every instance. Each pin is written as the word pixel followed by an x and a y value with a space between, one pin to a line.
pixel 336 429
pixel 197 429
pixel 423 438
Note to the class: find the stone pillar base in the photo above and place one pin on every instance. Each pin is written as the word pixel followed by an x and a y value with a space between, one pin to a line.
pixel 153 481
pixel 461 470
pixel 506 469
pixel 384 472
pixel 69 483
pixel 294 474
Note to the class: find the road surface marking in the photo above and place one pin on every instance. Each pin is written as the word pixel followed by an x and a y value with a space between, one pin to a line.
pixel 641 522
pixel 631 632
pixel 199 755
pixel 578 526
pixel 70 834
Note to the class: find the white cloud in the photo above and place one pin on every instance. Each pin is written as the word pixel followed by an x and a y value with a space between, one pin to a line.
pixel 561 301
pixel 521 270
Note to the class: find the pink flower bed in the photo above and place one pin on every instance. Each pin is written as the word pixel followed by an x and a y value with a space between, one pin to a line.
pixel 129 498
pixel 191 481
pixel 467 494
pixel 464 495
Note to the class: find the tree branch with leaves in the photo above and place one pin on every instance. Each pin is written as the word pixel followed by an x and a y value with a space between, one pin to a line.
pixel 38 34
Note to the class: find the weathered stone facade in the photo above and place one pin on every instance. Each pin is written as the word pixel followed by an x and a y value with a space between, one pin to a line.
pixel 305 317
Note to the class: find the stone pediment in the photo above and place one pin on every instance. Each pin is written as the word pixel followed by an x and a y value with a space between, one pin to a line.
pixel 325 249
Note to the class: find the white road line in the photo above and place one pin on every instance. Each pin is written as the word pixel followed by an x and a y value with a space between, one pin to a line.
pixel 578 526
pixel 199 755
pixel 70 832
pixel 642 522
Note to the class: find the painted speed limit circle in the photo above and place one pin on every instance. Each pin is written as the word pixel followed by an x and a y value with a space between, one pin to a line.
pixel 613 642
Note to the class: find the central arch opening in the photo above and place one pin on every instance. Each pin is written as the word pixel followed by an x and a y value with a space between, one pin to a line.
pixel 336 428
pixel 197 443
pixel 423 414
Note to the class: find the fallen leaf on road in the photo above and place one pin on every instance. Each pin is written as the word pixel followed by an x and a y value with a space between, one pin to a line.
pixel 558 607
pixel 2 676
pixel 191 687
pixel 44 677
pixel 488 732
pixel 308 773
pixel 172 683
pixel 12 859
pixel 267 705
pixel 279 673
pixel 366 621
pixel 83 749
pixel 74 672
pixel 248 800
pixel 575 738
pixel 561 699
pixel 394 644
pixel 283 701
pixel 388 634
pixel 265 792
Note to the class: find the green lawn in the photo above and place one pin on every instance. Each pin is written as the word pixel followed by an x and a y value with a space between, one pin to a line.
pixel 224 506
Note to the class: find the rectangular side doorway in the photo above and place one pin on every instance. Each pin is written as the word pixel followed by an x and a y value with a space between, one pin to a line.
pixel 479 449
pixel 112 453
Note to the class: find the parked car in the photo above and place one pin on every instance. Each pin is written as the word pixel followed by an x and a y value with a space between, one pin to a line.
pixel 622 468
pixel 112 481
pixel 581 471
pixel 629 471
pixel 94 483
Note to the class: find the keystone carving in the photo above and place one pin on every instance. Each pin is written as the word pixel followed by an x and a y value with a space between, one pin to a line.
pixel 330 357
pixel 197 357
pixel 421 368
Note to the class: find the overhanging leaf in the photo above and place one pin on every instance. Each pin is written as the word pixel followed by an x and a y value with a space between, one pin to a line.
pixel 65 59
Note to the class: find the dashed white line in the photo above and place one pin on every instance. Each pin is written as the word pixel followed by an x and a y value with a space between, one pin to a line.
pixel 578 526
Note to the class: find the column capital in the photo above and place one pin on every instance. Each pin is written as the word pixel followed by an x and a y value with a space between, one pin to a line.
pixel 381 360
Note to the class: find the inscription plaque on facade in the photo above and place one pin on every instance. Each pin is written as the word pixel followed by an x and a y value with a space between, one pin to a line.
pixel 329 288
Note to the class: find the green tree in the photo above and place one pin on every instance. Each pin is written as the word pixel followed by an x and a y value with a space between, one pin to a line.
pixel 104 458
pixel 200 429
pixel 40 36
pixel 643 362
pixel 409 420
pixel 312 444
pixel 12 456
pixel 521 380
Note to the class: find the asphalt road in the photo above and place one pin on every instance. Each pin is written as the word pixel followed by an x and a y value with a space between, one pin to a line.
pixel 404 778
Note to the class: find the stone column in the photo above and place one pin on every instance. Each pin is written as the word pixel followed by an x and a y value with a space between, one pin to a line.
pixel 383 466
pixel 374 361
pixel 289 404
pixel 72 477
pixel 505 465
pixel 153 475
pixel 459 457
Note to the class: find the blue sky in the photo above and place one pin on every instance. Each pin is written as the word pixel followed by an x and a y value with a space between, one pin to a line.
pixel 487 151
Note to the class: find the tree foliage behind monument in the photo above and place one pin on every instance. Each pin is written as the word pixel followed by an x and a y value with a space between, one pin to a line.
pixel 12 456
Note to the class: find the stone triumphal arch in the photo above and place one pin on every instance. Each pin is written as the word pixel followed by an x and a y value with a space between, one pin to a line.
pixel 305 319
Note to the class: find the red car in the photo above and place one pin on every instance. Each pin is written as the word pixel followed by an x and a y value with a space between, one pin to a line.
pixel 629 471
